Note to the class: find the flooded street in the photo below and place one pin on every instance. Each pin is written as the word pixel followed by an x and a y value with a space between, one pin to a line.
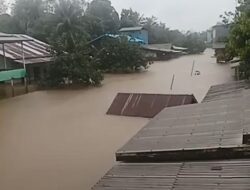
pixel 63 140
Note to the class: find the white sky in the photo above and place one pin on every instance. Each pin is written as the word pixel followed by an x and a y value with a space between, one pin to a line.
pixel 195 15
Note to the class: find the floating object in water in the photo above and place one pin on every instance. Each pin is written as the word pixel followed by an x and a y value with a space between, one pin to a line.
pixel 197 73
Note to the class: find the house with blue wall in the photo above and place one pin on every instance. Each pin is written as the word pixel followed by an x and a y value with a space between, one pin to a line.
pixel 135 32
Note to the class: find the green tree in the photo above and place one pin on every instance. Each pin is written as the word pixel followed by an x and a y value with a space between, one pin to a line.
pixel 73 63
pixel 8 24
pixel 130 18
pixel 27 12
pixel 119 55
pixel 105 13
pixel 68 15
pixel 238 44
pixel 194 43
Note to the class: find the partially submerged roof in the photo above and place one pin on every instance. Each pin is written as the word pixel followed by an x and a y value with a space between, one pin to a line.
pixel 146 105
pixel 223 175
pixel 161 47
pixel 211 130
pixel 226 91
pixel 128 29
pixel 115 36
pixel 179 48
pixel 35 51
pixel 219 45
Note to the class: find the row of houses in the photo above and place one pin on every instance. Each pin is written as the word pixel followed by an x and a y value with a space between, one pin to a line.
pixel 201 146
pixel 22 51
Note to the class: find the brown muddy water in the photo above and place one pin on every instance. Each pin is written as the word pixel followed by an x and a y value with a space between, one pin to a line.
pixel 61 140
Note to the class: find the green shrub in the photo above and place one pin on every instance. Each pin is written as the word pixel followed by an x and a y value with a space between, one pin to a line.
pixel 119 55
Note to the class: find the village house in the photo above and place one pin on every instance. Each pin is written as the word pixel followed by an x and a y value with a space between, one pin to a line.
pixel 220 34
pixel 21 51
pixel 135 32
pixel 163 51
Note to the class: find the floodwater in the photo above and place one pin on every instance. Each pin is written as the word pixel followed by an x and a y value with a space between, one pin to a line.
pixel 63 140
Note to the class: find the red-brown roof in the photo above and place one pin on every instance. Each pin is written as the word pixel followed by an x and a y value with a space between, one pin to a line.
pixel 146 105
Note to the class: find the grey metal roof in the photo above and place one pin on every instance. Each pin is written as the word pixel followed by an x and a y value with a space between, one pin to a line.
pixel 128 29
pixel 219 45
pixel 223 175
pixel 211 130
pixel 35 51
pixel 160 47
pixel 11 38
pixel 226 91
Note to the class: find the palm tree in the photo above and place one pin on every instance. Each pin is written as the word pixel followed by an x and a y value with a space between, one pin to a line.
pixel 69 26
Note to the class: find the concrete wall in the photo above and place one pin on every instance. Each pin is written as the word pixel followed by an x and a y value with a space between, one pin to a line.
pixel 220 33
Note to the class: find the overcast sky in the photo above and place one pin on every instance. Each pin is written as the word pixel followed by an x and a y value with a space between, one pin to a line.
pixel 195 15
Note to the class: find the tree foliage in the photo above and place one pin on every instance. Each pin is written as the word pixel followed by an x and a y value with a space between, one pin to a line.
pixel 73 63
pixel 27 12
pixel 105 13
pixel 238 44
pixel 130 18
pixel 118 55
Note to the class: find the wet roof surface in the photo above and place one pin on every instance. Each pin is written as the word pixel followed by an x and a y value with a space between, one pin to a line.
pixel 226 91
pixel 34 50
pixel 223 175
pixel 146 105
pixel 128 29
pixel 213 125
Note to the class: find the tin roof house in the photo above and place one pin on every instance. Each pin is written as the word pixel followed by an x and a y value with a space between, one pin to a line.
pixel 220 33
pixel 135 32
pixel 24 52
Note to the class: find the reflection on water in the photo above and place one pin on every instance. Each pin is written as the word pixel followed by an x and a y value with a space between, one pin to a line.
pixel 63 139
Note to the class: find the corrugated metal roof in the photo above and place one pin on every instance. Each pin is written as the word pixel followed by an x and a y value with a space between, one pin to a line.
pixel 130 39
pixel 160 47
pixel 226 91
pixel 212 130
pixel 35 51
pixel 219 175
pixel 219 45
pixel 128 29
pixel 146 105
pixel 11 38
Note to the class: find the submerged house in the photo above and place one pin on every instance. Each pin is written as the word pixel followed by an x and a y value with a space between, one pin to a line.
pixel 220 34
pixel 139 35
pixel 135 32
pixel 163 51
pixel 21 51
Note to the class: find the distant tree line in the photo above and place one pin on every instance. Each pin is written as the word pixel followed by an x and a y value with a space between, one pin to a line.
pixel 68 25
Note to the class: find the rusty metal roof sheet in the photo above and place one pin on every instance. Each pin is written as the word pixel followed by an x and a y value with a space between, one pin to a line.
pixel 223 175
pixel 226 91
pixel 34 50
pixel 146 105
pixel 211 130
